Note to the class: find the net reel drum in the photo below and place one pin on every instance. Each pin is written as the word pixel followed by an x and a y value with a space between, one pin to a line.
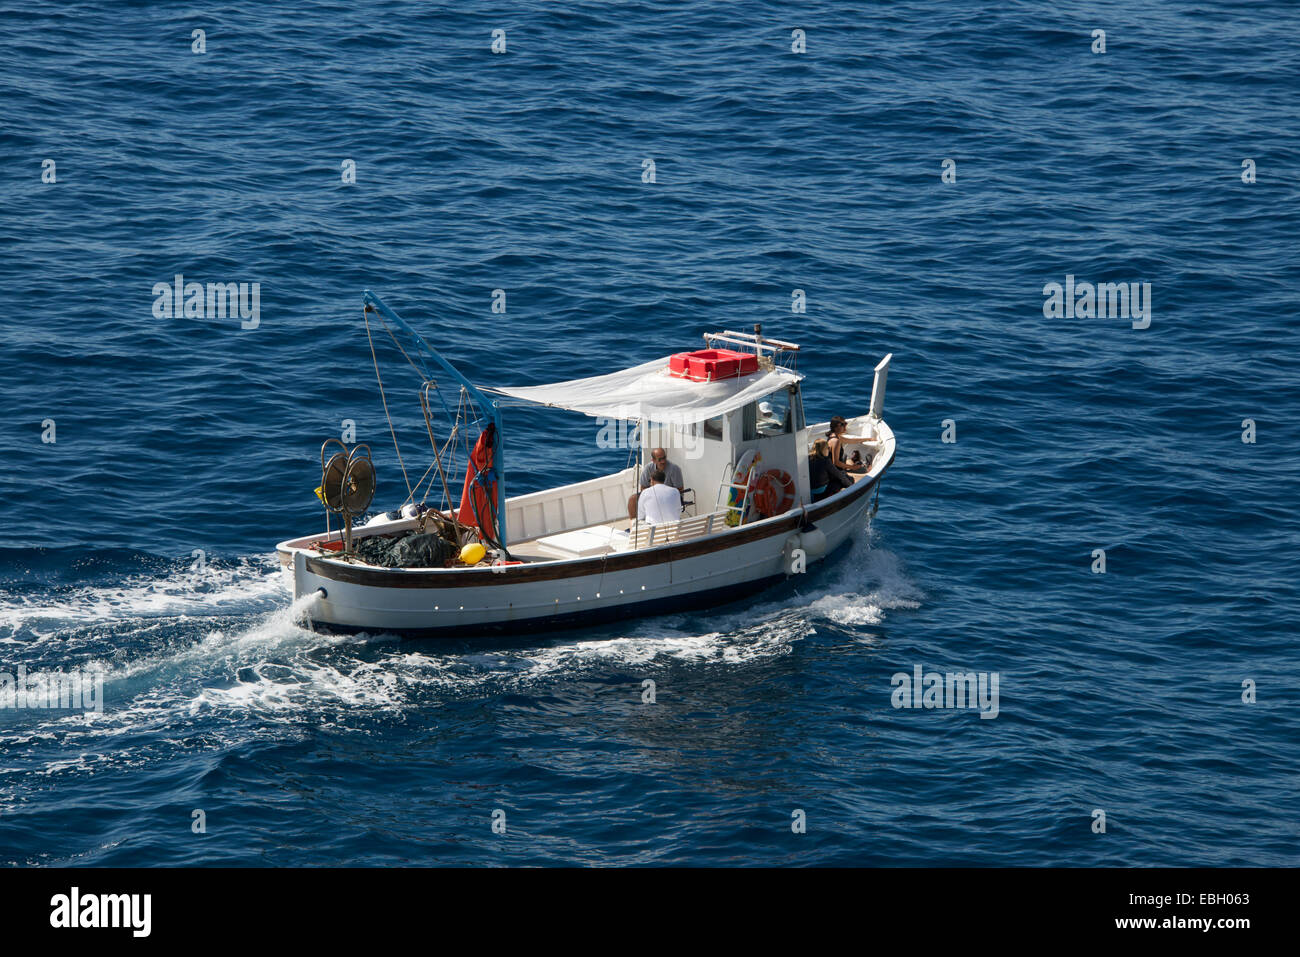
pixel 347 484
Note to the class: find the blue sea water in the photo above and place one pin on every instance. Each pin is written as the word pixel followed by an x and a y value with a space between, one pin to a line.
pixel 774 171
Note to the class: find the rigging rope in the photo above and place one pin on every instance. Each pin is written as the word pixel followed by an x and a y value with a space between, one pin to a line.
pixel 437 459
pixel 365 313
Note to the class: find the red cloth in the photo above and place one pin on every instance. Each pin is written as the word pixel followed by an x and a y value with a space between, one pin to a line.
pixel 480 495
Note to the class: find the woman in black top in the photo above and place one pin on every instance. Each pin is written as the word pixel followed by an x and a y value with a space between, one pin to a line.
pixel 836 437
pixel 824 477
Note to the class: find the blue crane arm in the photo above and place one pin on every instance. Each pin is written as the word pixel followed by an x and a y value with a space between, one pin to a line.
pixel 422 351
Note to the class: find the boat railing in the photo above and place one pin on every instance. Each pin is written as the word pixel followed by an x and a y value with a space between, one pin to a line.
pixel 581 505
pixel 756 341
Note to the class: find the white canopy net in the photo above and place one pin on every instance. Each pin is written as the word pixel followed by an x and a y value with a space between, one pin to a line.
pixel 647 391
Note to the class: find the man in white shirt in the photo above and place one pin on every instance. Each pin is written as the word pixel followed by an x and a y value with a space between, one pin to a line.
pixel 660 502
pixel 658 463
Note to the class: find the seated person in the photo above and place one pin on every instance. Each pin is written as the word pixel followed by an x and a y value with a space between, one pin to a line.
pixel 837 437
pixel 768 423
pixel 824 477
pixel 660 502
pixel 658 462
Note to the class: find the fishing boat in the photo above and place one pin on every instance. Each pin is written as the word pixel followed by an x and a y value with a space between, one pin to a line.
pixel 730 416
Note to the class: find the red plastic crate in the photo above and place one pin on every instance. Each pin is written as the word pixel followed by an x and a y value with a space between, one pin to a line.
pixel 708 365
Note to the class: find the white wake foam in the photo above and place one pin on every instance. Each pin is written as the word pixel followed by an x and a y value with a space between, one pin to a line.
pixel 869 583
pixel 251 584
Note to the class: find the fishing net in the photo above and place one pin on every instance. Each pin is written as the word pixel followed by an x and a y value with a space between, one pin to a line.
pixel 412 550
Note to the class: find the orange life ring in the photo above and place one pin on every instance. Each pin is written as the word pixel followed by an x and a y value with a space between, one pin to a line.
pixel 773 493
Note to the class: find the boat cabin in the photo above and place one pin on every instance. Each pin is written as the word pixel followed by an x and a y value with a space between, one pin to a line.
pixel 735 428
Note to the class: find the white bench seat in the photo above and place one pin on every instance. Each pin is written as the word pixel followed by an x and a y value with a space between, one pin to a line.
pixel 645 535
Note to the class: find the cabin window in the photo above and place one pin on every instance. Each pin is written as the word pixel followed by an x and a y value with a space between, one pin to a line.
pixel 713 428
pixel 770 415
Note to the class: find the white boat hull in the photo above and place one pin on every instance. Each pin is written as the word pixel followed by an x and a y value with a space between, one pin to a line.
pixel 518 599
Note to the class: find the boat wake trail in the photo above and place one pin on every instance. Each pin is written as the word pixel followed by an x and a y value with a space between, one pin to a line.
pixel 240 587
pixel 155 642
pixel 229 663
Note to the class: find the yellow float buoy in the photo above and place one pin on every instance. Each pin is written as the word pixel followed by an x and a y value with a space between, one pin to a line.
pixel 472 553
